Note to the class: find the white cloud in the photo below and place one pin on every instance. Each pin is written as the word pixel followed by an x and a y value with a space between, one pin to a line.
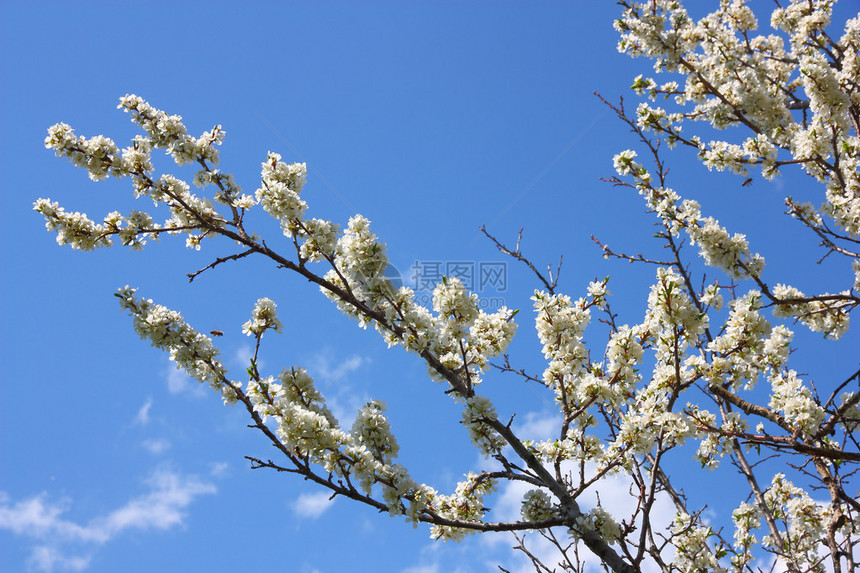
pixel 243 355
pixel 507 503
pixel 159 509
pixel 350 364
pixel 312 505
pixel 219 468
pixel 178 382
pixel 38 518
pixel 45 558
pixel 539 425
pixel 328 370
pixel 142 417
pixel 422 569
pixel 41 520
pixel 156 446
pixel 342 398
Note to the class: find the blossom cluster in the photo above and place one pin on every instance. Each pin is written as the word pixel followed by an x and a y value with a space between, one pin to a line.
pixel 192 351
pixel 560 325
pixel 189 213
pixel 599 521
pixel 305 424
pixel 577 444
pixel 537 506
pixel 280 192
pixel 99 155
pixel 463 337
pixel 822 314
pixel 718 249
pixel 263 318
pixel 372 430
pixel 804 523
pixel 670 307
pixel 74 229
pixel 748 344
pixel 695 552
pixel 169 133
pixel 465 504
pixel 733 77
pixel 746 518
pixel 795 401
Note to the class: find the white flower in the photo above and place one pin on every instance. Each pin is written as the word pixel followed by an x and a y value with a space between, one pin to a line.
pixel 263 318
pixel 693 550
pixel 599 521
pixel 74 229
pixel 827 316
pixel 319 239
pixel 795 401
pixel 624 164
pixel 457 308
pixel 537 506
pixel 372 430
pixel 166 329
pixel 280 190
pixel 476 415
pixel 669 306
pixel 597 290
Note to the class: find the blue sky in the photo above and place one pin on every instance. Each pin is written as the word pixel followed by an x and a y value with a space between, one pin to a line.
pixel 430 119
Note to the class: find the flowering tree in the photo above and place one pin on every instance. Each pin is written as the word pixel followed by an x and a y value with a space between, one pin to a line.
pixel 684 374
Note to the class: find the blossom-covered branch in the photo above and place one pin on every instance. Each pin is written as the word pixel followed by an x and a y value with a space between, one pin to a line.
pixel 684 373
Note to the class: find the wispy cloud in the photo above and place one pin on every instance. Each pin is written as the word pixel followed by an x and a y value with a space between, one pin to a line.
pixel 422 569
pixel 162 508
pixel 329 369
pixel 539 425
pixel 312 505
pixel 178 382
pixel 219 469
pixel 45 558
pixel 156 446
pixel 63 545
pixel 333 372
pixel 142 417
pixel 243 355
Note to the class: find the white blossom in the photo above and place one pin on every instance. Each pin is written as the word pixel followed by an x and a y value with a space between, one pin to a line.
pixel 372 430
pixel 823 315
pixel 279 194
pixel 794 400
pixel 537 506
pixel 599 521
pixel 477 414
pixel 746 518
pixel 264 318
pixel 74 229
pixel 694 552
pixel 192 351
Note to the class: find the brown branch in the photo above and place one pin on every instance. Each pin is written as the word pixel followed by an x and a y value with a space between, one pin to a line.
pixel 630 258
pixel 517 254
pixel 218 261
